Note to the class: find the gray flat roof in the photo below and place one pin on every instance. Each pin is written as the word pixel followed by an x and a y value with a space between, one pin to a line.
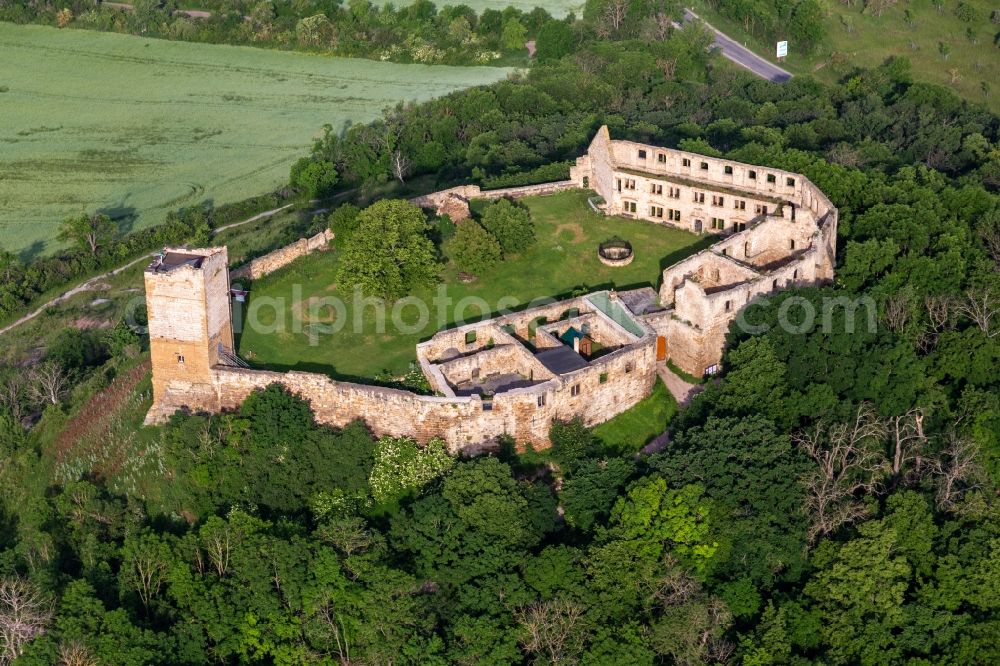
pixel 560 360
pixel 172 260
pixel 640 301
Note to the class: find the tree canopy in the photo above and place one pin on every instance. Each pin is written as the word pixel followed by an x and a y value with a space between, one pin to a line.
pixel 389 253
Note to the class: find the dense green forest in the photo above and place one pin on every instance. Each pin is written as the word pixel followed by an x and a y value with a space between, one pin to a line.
pixel 831 498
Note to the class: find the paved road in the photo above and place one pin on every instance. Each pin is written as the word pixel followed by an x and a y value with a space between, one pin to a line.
pixel 741 55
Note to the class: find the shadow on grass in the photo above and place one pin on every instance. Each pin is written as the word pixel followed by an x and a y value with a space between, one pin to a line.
pixel 331 372
pixel 123 216
pixel 32 252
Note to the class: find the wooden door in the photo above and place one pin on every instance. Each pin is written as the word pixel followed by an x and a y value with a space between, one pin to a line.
pixel 661 348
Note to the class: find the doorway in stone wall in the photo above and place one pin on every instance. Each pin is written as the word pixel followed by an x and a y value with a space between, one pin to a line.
pixel 661 348
pixel 697 226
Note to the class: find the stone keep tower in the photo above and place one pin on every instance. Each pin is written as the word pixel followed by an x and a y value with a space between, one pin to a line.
pixel 190 327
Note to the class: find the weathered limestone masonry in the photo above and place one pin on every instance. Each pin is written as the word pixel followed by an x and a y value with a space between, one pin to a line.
pixel 454 202
pixel 190 326
pixel 590 357
pixel 777 229
pixel 281 257
pixel 547 380
pixel 193 367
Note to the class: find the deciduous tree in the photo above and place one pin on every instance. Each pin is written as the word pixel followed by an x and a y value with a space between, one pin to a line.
pixel 25 614
pixel 850 462
pixel 389 254
pixel 510 224
pixel 48 383
pixel 88 232
pixel 473 249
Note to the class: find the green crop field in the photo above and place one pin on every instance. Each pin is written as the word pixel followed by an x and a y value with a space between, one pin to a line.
pixel 914 30
pixel 563 258
pixel 139 127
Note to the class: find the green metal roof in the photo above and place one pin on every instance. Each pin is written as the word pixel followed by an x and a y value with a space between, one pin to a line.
pixel 616 311
pixel 571 335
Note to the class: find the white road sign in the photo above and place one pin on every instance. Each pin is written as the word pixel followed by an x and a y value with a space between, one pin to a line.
pixel 782 49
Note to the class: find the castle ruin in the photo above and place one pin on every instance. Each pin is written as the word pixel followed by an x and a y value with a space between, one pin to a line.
pixel 590 357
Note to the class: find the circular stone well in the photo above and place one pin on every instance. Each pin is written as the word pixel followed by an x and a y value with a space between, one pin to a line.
pixel 615 252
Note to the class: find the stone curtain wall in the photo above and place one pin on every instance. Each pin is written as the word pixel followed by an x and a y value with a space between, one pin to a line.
pixel 463 422
pixel 281 257
pixel 450 201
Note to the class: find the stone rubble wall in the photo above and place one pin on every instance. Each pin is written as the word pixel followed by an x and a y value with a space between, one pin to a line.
pixel 467 424
pixel 273 261
pixel 447 202
pixel 452 342
pixel 498 360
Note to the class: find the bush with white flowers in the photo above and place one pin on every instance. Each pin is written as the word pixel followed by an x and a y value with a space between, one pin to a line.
pixel 402 466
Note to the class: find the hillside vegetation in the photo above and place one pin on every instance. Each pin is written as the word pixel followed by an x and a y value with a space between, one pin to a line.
pixel 952 43
pixel 829 498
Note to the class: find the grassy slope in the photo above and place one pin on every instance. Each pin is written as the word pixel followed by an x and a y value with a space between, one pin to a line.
pixel 564 257
pixel 871 40
pixel 631 430
pixel 141 126
pixel 124 293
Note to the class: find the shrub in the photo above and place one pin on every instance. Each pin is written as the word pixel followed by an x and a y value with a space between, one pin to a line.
pixel 313 178
pixel 402 467
pixel 122 341
pixel 700 146
pixel 966 12
pixel 555 40
pixel 572 442
pixel 442 230
pixel 75 349
pixel 546 173
pixel 510 224
pixel 342 222
pixel 473 249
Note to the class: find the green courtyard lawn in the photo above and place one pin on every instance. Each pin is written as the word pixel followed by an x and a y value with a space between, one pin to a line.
pixel 138 127
pixel 563 259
